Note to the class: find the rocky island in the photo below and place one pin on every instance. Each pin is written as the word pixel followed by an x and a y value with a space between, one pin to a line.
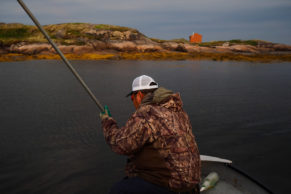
pixel 100 41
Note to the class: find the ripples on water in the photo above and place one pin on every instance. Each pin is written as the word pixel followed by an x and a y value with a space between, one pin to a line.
pixel 51 140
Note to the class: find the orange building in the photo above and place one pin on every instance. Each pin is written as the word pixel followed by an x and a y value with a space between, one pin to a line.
pixel 195 38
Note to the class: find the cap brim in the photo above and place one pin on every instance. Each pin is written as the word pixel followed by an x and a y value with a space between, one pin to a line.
pixel 129 94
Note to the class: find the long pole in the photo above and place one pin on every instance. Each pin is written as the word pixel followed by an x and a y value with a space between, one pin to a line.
pixel 61 55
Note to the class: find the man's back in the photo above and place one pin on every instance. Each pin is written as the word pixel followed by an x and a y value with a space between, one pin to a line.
pixel 171 157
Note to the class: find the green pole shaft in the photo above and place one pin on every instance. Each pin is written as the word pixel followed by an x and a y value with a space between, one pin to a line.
pixel 79 78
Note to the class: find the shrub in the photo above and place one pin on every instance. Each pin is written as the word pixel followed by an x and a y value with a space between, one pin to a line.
pixel 16 33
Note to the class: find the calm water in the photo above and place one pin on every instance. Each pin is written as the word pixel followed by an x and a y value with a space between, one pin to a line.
pixel 50 134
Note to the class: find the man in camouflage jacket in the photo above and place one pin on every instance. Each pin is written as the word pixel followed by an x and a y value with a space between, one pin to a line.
pixel 159 143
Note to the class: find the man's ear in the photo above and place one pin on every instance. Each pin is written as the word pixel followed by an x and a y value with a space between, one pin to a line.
pixel 140 94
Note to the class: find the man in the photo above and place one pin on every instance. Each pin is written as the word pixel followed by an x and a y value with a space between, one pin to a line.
pixel 163 156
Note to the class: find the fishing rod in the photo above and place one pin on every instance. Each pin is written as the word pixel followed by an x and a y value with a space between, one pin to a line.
pixel 79 78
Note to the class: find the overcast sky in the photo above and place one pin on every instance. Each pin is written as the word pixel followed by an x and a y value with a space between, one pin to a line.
pixel 167 19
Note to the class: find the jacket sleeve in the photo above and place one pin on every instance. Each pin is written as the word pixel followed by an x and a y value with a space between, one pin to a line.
pixel 128 139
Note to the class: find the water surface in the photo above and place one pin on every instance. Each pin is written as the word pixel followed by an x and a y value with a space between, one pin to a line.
pixel 51 139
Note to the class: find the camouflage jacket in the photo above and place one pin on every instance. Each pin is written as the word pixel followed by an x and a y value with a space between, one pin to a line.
pixel 158 141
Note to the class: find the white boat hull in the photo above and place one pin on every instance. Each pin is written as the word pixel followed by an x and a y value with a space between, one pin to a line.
pixel 231 180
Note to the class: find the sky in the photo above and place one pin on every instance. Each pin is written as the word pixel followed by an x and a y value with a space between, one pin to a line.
pixel 268 20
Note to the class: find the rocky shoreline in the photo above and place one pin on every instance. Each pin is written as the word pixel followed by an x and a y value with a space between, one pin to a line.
pixel 86 41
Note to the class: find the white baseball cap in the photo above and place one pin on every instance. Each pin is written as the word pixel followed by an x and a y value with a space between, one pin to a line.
pixel 143 82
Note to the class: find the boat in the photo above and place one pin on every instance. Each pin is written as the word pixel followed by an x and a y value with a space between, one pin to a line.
pixel 231 179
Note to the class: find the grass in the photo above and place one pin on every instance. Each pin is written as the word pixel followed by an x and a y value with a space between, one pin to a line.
pixel 158 40
pixel 73 32
pixel 114 28
pixel 180 40
pixel 67 33
pixel 231 42
pixel 212 43
pixel 245 42
pixel 16 33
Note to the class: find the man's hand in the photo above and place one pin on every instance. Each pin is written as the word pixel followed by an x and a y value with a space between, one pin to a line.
pixel 105 114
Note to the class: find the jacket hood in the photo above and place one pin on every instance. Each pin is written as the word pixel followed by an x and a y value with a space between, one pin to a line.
pixel 165 98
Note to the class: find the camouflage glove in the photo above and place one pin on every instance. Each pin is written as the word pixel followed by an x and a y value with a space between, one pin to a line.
pixel 105 114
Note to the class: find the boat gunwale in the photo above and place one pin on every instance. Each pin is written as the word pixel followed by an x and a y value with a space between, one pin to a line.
pixel 231 166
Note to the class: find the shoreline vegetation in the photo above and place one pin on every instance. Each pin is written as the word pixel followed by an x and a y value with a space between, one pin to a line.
pixel 84 41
